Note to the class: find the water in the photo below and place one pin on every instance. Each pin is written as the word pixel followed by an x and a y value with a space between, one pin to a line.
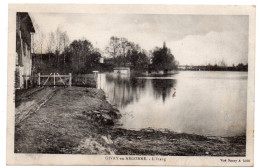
pixel 196 102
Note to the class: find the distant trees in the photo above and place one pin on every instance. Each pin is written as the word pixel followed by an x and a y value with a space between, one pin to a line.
pixel 118 48
pixel 139 60
pixel 78 51
pixel 127 53
pixel 80 56
pixel 163 59
pixel 58 41
pixel 224 67
pixel 216 67
pixel 242 67
pixel 53 44
pixel 60 55
pixel 38 42
pixel 113 47
pixel 84 58
pixel 64 39
pixel 61 41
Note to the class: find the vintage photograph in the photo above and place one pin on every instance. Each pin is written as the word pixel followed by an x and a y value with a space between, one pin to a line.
pixel 131 84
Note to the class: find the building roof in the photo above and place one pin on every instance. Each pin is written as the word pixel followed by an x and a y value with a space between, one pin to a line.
pixel 122 68
pixel 25 17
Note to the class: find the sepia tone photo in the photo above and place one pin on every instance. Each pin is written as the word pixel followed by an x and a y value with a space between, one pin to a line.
pixel 131 87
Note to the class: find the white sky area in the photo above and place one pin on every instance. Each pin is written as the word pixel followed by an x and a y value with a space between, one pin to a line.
pixel 193 39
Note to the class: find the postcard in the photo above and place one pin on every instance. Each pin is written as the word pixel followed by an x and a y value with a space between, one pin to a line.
pixel 168 85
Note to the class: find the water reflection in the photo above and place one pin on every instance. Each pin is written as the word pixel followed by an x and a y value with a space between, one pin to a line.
pixel 124 90
pixel 204 103
pixel 162 88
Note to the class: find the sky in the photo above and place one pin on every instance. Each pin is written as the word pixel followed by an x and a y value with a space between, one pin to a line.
pixel 193 39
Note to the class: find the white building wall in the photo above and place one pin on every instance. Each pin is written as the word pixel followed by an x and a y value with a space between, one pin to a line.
pixel 122 71
pixel 26 68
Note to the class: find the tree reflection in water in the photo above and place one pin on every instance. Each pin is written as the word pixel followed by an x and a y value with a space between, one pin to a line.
pixel 124 90
pixel 142 99
pixel 162 87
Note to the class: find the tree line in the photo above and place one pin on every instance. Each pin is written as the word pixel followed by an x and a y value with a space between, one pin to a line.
pixel 123 52
pixel 55 52
pixel 79 56
pixel 216 67
pixel 61 55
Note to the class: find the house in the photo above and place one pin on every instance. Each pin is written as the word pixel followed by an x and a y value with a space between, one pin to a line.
pixel 101 60
pixel 24 31
pixel 122 70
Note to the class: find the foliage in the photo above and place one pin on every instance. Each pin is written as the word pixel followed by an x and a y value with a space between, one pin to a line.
pixel 84 58
pixel 163 59
pixel 139 60
pixel 126 53
pixel 78 57
pixel 216 67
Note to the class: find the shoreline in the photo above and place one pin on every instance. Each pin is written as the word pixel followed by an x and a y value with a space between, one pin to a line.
pixel 79 120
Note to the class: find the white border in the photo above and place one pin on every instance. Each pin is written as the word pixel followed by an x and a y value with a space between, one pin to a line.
pixel 3 46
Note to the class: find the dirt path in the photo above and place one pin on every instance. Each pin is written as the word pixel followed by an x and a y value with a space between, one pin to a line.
pixel 29 102
pixel 69 122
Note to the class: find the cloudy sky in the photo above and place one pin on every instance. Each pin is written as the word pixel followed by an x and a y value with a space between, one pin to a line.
pixel 193 39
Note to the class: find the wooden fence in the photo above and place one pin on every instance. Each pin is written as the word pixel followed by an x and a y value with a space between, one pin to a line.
pixel 55 79
pixel 88 80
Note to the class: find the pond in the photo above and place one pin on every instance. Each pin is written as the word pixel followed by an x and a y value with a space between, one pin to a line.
pixel 207 103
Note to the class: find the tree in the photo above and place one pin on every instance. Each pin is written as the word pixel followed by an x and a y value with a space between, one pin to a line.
pixel 58 44
pixel 143 61
pixel 34 42
pixel 113 47
pixel 84 58
pixel 163 59
pixel 51 44
pixel 38 40
pixel 38 43
pixel 138 60
pixel 92 61
pixel 65 43
pixel 242 67
pixel 120 50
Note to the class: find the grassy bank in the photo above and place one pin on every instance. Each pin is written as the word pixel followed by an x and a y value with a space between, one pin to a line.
pixel 74 120
pixel 80 120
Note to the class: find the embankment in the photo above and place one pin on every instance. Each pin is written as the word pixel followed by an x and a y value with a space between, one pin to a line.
pixel 81 121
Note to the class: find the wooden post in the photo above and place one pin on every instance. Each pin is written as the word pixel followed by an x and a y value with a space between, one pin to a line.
pixel 31 80
pixel 99 81
pixel 23 76
pixel 70 79
pixel 54 80
pixel 39 79
pixel 26 82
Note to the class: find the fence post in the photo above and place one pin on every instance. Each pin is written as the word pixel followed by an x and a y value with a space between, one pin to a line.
pixel 26 82
pixel 99 81
pixel 70 79
pixel 39 79
pixel 54 80
pixel 31 80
